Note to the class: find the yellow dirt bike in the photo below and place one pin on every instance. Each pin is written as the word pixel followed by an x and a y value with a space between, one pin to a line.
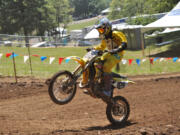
pixel 62 86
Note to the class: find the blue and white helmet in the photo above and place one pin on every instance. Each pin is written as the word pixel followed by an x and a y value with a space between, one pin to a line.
pixel 103 26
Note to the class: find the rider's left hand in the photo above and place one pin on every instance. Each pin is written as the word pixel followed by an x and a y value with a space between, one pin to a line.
pixel 88 49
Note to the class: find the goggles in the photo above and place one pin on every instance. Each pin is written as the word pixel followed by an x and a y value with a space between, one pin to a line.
pixel 101 30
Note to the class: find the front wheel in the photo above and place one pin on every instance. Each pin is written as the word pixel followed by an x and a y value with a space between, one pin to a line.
pixel 118 112
pixel 62 87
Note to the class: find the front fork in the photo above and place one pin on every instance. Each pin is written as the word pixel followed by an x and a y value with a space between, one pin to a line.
pixel 107 99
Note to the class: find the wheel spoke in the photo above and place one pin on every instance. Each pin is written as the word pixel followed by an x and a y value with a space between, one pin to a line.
pixel 118 112
pixel 60 89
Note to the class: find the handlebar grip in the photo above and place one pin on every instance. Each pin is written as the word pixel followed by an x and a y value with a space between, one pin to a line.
pixel 100 52
pixel 88 49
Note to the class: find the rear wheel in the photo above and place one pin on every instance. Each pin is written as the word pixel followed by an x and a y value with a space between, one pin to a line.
pixel 118 112
pixel 62 88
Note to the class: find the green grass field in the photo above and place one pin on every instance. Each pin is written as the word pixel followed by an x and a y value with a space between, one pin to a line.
pixel 44 69
pixel 81 25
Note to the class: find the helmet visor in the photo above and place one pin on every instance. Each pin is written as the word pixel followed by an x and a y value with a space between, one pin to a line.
pixel 101 30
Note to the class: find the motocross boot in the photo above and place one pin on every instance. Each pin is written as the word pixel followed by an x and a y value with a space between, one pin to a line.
pixel 83 85
pixel 84 82
pixel 85 91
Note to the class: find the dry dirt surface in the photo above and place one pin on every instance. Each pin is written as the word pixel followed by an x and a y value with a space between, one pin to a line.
pixel 26 109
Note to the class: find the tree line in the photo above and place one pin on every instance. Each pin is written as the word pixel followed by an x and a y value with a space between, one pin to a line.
pixel 34 17
pixel 131 8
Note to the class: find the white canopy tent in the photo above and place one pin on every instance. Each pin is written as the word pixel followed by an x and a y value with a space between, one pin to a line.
pixel 168 30
pixel 105 11
pixel 170 20
pixel 94 34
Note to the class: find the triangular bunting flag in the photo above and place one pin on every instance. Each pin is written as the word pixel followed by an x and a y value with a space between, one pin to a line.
pixel 35 55
pixel 175 59
pixel 161 59
pixel 60 60
pixel 130 61
pixel 1 55
pixel 26 58
pixel 143 60
pixel 169 58
pixel 51 59
pixel 124 61
pixel 151 60
pixel 138 61
pixel 13 55
pixel 43 58
pixel 67 60
pixel 155 59
pixel 8 54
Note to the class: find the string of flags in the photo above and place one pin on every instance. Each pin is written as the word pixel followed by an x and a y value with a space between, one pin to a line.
pixel 124 61
pixel 151 60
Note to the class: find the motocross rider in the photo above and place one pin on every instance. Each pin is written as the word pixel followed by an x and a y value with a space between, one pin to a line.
pixel 115 42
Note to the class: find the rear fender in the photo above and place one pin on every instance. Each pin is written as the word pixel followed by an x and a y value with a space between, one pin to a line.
pixel 126 81
pixel 119 78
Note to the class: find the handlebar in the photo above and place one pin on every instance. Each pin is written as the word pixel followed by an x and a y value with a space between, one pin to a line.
pixel 100 52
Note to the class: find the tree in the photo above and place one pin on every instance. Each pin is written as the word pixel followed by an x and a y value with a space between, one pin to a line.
pixel 160 6
pixel 80 7
pixel 63 11
pixel 131 8
pixel 46 20
pixel 95 7
pixel 25 16
pixel 63 15
pixel 128 8
pixel 7 20
pixel 85 8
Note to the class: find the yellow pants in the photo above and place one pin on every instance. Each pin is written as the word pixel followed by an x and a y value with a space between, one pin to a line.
pixel 110 61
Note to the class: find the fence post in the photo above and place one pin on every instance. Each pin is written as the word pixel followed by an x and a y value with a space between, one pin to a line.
pixel 14 63
pixel 142 44
pixel 149 58
pixel 29 53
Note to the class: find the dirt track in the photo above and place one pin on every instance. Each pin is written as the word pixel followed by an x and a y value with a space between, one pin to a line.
pixel 26 109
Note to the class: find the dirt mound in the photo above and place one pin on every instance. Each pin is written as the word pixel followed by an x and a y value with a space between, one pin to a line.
pixel 26 109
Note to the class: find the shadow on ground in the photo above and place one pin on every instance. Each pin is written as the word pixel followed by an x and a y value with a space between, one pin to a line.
pixel 95 128
pixel 173 51
pixel 112 127
pixel 63 131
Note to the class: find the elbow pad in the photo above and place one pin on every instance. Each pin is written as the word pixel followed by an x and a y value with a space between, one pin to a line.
pixel 124 45
pixel 121 48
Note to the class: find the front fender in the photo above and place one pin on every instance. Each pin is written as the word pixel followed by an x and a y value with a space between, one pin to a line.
pixel 77 59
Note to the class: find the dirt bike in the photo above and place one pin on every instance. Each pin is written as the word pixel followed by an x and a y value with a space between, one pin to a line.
pixel 62 86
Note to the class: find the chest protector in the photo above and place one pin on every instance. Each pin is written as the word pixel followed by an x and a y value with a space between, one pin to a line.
pixel 115 41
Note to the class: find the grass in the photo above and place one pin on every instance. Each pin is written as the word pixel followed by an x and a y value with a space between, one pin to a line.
pixel 81 25
pixel 44 69
pixel 40 68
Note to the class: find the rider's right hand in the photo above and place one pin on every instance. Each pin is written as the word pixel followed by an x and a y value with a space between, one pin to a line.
pixel 106 51
pixel 100 52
